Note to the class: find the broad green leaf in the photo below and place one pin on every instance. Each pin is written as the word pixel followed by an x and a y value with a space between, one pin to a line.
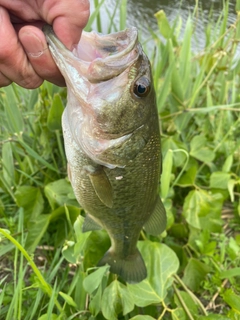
pixel 166 174
pixel 125 297
pixel 203 210
pixel 68 252
pixel 204 243
pixel 194 273
pixel 68 299
pixel 93 253
pixel 231 185
pixel 5 248
pixel 59 193
pixel 36 229
pixel 96 301
pixel 93 280
pixel 227 274
pixel 191 208
pixel 80 295
pixel 73 213
pixel 116 298
pixel 228 164
pixel 233 249
pixel 188 179
pixel 219 180
pixel 199 149
pixel 188 301
pixel 182 122
pixel 162 263
pixel 178 314
pixel 179 231
pixel 38 226
pixel 237 7
pixel 31 200
pixel 232 299
pixel 233 315
pixel 81 237
pixel 172 143
pixel 94 284
pixel 210 214
pixel 78 227
pixel 60 218
pixel 143 294
pixel 55 113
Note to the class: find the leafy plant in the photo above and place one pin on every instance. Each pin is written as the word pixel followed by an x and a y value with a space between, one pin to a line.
pixel 48 265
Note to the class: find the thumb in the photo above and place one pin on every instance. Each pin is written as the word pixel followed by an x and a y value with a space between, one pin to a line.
pixel 36 48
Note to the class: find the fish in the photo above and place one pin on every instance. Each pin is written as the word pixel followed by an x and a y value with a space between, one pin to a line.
pixel 112 141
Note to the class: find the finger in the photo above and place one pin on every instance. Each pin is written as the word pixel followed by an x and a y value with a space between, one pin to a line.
pixel 36 48
pixel 67 17
pixel 4 81
pixel 14 64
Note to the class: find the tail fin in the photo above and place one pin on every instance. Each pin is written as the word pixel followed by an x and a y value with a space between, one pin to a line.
pixel 131 269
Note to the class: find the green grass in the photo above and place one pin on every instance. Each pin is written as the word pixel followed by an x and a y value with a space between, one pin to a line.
pixel 48 266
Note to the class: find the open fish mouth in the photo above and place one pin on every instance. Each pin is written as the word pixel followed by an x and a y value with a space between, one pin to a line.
pixel 95 52
pixel 103 113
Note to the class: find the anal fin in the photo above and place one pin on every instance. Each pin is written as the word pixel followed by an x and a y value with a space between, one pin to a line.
pixel 157 222
pixel 90 225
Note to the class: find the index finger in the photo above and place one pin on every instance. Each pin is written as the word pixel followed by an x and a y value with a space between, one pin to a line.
pixel 14 64
pixel 68 18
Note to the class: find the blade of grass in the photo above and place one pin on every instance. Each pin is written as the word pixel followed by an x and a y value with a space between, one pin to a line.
pixel 93 16
pixel 123 14
pixel 44 285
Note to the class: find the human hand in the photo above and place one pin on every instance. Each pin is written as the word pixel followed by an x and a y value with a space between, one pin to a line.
pixel 24 55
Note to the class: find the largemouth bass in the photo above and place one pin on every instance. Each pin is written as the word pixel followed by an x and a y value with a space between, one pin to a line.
pixel 112 141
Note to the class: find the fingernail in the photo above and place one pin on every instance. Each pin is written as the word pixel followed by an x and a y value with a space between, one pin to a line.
pixel 32 45
pixel 36 54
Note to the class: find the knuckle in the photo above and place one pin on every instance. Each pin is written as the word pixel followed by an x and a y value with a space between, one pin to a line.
pixel 5 53
pixel 27 77
pixel 4 81
pixel 30 82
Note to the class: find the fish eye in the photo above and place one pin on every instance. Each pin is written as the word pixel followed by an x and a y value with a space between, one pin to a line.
pixel 142 87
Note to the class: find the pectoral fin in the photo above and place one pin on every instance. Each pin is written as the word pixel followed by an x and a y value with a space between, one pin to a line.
pixel 90 225
pixel 102 186
pixel 157 222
